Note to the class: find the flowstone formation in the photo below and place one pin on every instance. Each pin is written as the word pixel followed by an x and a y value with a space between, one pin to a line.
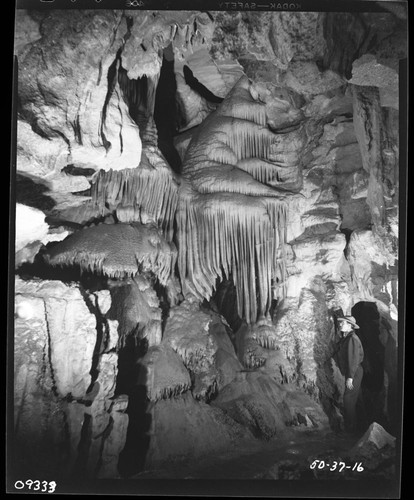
pixel 231 214
pixel 208 192
pixel 117 251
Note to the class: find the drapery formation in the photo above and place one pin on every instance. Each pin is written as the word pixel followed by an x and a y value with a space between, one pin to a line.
pixel 146 193
pixel 231 212
pixel 229 209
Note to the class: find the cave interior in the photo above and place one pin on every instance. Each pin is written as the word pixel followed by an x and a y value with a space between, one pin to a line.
pixel 199 196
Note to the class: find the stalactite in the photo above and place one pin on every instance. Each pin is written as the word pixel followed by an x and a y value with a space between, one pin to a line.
pixel 236 250
pixel 232 212
pixel 134 193
pixel 248 140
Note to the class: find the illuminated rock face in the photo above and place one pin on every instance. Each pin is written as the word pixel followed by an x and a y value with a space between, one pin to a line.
pixel 65 380
pixel 282 209
pixel 233 195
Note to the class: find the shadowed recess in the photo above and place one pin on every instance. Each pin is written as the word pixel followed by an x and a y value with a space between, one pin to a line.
pixel 32 193
pixel 165 110
pixel 198 87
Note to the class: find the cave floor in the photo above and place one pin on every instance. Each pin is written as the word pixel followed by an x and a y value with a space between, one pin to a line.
pixel 285 457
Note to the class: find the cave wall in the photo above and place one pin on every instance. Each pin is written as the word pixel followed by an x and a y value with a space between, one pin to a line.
pixel 82 109
pixel 67 415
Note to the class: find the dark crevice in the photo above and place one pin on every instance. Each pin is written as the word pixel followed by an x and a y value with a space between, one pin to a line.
pixel 80 467
pixel 372 398
pixel 163 301
pixel 37 129
pixel 73 170
pixel 135 92
pixel 49 356
pixel 130 24
pixel 85 192
pixel 99 73
pixel 56 220
pixel 33 194
pixel 77 130
pixel 105 435
pixel 198 87
pixel 225 299
pixel 146 99
pixel 121 142
pixel 112 79
pixel 102 334
pixel 165 110
pixel 132 380
pixel 347 233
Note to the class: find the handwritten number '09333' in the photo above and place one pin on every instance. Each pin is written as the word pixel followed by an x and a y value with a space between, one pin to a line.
pixel 36 485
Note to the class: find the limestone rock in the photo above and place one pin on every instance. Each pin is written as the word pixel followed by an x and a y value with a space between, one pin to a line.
pixel 249 351
pixel 195 346
pixel 32 232
pixel 38 416
pixel 315 128
pixel 368 71
pixel 278 37
pixel 313 257
pixel 115 441
pixel 107 424
pixel 375 436
pixel 379 151
pixel 204 347
pixel 182 141
pixel 376 451
pixel 163 374
pixel 305 411
pixel 350 35
pixel 306 79
pixel 57 403
pixel 176 434
pixel 30 226
pixel 59 313
pixel 27 33
pixel 81 113
pixel 372 270
pixel 265 407
pixel 135 307
pixel 42 158
pixel 256 402
pixel 217 78
pixel 304 333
